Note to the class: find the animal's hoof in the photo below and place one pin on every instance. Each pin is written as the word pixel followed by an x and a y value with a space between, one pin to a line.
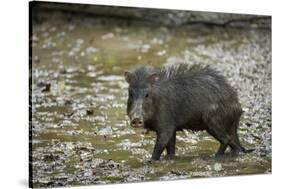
pixel 152 161
pixel 170 157
pixel 219 155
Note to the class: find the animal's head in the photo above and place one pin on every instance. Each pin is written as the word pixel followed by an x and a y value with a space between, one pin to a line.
pixel 140 105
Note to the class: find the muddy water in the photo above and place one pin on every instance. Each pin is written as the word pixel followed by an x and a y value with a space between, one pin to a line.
pixel 79 126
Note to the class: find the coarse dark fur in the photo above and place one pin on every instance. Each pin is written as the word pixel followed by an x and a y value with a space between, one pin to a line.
pixel 174 98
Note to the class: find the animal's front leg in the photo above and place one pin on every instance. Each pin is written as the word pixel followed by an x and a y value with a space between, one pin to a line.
pixel 162 140
pixel 171 147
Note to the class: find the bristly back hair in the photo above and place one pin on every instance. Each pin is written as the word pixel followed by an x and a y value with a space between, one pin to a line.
pixel 143 71
pixel 184 70
pixel 171 72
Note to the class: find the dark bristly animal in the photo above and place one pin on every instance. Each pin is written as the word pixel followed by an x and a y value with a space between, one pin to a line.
pixel 170 99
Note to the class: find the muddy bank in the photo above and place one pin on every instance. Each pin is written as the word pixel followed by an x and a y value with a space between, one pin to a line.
pixel 166 17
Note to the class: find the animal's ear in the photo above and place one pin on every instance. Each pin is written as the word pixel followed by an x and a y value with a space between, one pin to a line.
pixel 128 77
pixel 153 78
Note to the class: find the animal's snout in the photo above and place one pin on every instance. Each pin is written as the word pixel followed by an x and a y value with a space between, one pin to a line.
pixel 137 122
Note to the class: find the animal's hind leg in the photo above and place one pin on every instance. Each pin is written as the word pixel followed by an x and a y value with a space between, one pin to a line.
pixel 221 150
pixel 221 138
pixel 235 148
pixel 216 128
pixel 234 143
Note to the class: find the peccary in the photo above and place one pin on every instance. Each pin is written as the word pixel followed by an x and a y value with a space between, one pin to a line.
pixel 170 99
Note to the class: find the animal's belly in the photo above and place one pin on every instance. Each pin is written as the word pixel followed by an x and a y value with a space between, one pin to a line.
pixel 194 125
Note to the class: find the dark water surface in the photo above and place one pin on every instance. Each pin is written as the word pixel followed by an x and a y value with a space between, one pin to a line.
pixel 79 126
